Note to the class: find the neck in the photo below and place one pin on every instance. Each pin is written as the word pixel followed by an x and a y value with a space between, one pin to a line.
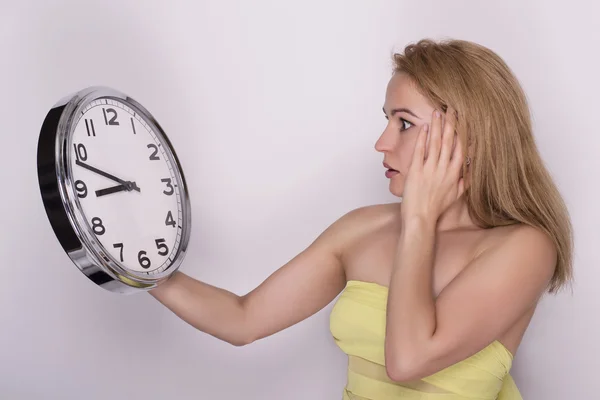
pixel 455 217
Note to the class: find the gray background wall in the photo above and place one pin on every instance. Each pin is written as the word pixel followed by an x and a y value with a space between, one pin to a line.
pixel 273 108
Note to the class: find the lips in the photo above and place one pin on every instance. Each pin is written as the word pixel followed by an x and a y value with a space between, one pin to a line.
pixel 389 168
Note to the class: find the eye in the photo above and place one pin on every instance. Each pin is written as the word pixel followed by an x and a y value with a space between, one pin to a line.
pixel 404 123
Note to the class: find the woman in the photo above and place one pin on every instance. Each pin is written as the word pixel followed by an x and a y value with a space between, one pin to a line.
pixel 437 291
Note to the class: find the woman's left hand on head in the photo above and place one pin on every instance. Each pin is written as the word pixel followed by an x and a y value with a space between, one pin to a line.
pixel 434 181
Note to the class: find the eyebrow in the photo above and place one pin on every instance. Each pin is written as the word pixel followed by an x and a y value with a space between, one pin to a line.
pixel 406 110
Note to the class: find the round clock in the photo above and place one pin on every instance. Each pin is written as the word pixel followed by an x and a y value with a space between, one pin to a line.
pixel 113 190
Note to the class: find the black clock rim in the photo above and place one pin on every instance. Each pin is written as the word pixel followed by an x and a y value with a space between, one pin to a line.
pixel 50 192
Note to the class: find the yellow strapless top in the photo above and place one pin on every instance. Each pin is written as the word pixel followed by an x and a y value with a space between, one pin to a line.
pixel 357 323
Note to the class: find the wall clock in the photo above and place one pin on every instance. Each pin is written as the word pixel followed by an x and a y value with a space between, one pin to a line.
pixel 113 190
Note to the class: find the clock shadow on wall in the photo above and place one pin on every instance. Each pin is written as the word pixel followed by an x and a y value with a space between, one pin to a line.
pixel 113 190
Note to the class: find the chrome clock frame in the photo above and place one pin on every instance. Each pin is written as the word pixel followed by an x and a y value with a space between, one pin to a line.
pixel 62 204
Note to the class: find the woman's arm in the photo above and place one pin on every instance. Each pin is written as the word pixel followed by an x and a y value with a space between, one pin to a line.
pixel 425 335
pixel 297 290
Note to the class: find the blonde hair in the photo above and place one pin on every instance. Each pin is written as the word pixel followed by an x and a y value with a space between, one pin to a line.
pixel 509 182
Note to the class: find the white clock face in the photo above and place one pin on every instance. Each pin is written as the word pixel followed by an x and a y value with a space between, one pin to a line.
pixel 127 186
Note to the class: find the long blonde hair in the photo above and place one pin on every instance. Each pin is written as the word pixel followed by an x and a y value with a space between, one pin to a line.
pixel 509 182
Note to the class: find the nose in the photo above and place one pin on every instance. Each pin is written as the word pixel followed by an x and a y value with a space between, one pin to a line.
pixel 385 141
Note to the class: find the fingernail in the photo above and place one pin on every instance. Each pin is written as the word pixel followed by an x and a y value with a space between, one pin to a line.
pixel 437 114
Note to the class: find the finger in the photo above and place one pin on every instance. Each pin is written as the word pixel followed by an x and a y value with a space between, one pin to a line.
pixel 435 138
pixel 448 136
pixel 419 152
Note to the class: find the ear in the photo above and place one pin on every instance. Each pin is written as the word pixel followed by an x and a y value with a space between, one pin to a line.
pixel 469 146
pixel 465 174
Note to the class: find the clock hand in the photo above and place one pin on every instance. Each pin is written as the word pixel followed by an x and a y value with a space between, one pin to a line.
pixel 118 188
pixel 113 189
pixel 128 185
pixel 132 186
pixel 96 170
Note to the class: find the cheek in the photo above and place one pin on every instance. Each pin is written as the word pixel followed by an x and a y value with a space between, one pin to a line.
pixel 405 153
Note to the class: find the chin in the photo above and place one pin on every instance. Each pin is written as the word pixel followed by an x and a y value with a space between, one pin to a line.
pixel 396 188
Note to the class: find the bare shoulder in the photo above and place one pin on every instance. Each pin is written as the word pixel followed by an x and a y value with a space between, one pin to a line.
pixel 521 236
pixel 521 245
pixel 365 219
pixel 358 223
pixel 372 213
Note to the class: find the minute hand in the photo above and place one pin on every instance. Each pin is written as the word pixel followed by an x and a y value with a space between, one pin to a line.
pixel 105 174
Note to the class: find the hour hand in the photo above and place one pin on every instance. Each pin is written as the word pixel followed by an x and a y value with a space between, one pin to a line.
pixel 113 189
pixel 128 186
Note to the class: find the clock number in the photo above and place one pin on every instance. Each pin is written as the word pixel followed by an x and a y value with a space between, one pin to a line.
pixel 163 250
pixel 143 260
pixel 81 189
pixel 169 185
pixel 169 220
pixel 113 120
pixel 119 246
pixel 153 156
pixel 97 226
pixel 80 152
pixel 89 126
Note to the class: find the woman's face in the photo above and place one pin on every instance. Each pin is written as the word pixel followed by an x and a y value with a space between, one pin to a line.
pixel 406 111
